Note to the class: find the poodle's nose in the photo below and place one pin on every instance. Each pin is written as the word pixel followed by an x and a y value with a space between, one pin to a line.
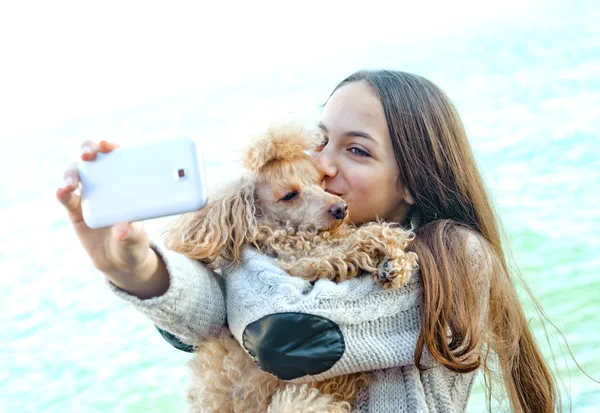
pixel 339 210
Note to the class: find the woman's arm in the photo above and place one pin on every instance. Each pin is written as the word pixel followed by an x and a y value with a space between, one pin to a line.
pixel 369 328
pixel 193 306
pixel 301 331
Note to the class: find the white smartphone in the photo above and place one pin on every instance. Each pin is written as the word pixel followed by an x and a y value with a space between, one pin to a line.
pixel 142 182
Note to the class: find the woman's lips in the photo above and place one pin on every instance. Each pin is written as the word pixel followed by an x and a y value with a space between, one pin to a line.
pixel 332 192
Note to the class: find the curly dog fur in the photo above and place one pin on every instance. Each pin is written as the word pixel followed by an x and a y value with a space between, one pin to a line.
pixel 282 209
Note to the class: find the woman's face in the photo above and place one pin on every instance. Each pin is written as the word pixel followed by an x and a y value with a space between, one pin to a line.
pixel 357 158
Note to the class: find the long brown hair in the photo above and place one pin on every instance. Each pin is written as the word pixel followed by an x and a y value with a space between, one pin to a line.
pixel 452 205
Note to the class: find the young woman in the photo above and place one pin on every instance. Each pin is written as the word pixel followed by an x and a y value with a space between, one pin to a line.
pixel 394 149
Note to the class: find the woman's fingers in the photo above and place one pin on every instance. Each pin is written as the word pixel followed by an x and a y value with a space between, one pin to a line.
pixel 71 178
pixel 72 203
pixel 89 149
pixel 106 146
pixel 66 195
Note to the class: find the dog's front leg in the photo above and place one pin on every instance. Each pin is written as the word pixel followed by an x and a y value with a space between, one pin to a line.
pixel 331 265
pixel 388 247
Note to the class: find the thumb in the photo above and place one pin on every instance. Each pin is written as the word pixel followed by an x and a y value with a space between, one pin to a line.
pixel 130 244
pixel 129 233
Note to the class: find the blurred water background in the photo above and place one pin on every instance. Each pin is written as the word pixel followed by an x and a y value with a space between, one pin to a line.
pixel 525 77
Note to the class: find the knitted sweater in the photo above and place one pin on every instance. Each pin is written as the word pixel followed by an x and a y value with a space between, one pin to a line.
pixel 380 327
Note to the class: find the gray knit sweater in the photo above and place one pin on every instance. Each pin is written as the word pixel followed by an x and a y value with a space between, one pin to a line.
pixel 380 327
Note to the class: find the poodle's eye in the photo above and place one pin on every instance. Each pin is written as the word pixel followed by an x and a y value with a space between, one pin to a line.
pixel 290 196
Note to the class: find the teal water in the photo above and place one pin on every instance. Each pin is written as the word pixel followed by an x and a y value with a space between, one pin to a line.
pixel 528 90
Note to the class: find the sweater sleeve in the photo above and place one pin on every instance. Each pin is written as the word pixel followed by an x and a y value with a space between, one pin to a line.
pixel 379 327
pixel 193 308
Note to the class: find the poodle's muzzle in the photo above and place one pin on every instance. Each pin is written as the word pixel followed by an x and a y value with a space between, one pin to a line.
pixel 339 210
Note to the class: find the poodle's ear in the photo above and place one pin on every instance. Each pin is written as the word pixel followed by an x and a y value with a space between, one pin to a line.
pixel 281 142
pixel 220 229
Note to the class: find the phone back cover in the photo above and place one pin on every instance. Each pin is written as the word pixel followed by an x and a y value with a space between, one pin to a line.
pixel 143 182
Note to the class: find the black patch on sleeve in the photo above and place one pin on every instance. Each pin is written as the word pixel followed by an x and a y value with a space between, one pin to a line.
pixel 292 345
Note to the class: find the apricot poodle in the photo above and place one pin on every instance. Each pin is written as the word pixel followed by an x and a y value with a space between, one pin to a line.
pixel 281 208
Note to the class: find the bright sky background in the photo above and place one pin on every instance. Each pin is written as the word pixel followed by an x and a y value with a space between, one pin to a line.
pixel 62 59
pixel 135 71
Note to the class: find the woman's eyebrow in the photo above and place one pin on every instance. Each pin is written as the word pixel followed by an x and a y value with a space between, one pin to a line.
pixel 349 133
pixel 359 134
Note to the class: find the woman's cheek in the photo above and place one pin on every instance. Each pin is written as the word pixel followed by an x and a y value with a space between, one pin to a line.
pixel 359 183
pixel 359 199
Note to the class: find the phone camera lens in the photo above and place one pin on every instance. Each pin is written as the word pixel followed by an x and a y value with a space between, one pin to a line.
pixel 181 173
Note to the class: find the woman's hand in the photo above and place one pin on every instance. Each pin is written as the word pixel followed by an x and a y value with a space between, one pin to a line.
pixel 122 252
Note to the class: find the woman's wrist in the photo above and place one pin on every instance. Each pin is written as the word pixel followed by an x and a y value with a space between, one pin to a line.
pixel 150 280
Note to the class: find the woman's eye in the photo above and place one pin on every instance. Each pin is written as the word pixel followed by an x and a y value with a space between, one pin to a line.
pixel 324 142
pixel 289 196
pixel 358 151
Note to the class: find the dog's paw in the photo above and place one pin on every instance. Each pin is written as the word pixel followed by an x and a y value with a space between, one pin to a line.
pixel 392 273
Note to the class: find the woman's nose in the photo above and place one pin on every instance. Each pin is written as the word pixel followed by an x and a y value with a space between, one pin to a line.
pixel 326 164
